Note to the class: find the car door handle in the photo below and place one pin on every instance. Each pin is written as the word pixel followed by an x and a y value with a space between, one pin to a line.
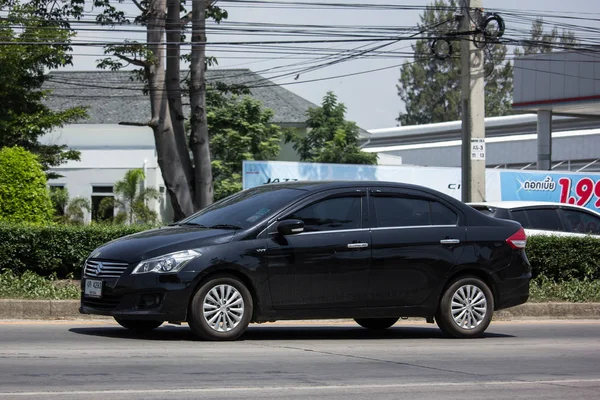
pixel 449 241
pixel 357 245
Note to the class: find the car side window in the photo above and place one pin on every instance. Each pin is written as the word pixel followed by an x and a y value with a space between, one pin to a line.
pixel 401 211
pixel 544 219
pixel 521 217
pixel 442 215
pixel 331 214
pixel 581 222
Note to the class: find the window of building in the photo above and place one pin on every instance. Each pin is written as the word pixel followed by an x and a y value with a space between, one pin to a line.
pixel 102 203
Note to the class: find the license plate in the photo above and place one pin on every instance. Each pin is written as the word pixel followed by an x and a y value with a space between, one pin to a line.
pixel 93 288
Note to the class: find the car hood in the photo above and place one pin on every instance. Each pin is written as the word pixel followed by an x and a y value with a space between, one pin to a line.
pixel 155 242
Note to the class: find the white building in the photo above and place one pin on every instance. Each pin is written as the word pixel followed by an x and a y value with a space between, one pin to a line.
pixel 106 155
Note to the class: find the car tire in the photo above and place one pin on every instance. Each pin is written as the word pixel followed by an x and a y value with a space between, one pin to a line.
pixel 466 308
pixel 221 309
pixel 139 326
pixel 376 324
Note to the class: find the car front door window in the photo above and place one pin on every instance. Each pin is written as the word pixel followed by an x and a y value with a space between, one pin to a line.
pixel 331 214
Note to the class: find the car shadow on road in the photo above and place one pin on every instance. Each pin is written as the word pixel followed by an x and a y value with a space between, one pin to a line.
pixel 264 332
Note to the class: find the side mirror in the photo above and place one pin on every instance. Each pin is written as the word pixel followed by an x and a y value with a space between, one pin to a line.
pixel 290 227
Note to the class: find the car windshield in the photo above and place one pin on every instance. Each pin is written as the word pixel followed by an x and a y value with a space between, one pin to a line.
pixel 244 209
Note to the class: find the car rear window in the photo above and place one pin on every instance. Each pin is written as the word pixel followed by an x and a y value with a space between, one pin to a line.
pixel 485 210
pixel 521 217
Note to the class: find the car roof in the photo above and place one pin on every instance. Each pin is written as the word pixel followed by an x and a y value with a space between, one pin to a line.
pixel 512 205
pixel 332 184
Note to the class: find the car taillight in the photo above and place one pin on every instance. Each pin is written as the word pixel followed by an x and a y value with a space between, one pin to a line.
pixel 518 240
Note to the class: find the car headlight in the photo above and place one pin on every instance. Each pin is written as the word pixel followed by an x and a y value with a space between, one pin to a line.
pixel 168 263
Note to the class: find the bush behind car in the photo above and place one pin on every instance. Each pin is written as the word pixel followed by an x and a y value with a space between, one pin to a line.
pixel 61 250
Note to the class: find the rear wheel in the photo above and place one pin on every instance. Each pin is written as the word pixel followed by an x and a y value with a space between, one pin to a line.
pixel 221 309
pixel 466 308
pixel 376 323
pixel 139 326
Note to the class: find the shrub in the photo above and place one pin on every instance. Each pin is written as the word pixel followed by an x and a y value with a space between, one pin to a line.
pixel 543 289
pixel 59 249
pixel 564 258
pixel 24 196
pixel 32 286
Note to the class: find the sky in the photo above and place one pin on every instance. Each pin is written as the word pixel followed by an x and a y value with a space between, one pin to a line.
pixel 370 97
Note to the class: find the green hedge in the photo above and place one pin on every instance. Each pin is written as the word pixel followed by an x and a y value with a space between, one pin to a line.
pixel 61 249
pixel 564 258
pixel 54 249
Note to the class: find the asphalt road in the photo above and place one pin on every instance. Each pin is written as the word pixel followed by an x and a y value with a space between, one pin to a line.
pixel 100 360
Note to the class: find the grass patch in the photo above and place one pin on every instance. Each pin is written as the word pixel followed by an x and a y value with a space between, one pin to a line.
pixel 34 287
pixel 543 289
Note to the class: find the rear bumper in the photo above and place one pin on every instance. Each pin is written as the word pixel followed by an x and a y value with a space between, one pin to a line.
pixel 512 282
pixel 513 292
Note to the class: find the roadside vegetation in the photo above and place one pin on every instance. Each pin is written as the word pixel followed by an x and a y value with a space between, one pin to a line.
pixel 44 262
pixel 32 286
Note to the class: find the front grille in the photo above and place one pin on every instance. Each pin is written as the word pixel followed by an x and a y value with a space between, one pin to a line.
pixel 104 269
pixel 106 303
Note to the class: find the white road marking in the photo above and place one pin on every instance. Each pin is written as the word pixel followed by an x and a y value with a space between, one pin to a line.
pixel 301 388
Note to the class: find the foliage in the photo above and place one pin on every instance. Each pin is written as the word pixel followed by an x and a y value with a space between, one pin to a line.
pixel 330 139
pixel 24 115
pixel 543 289
pixel 68 210
pixel 564 258
pixel 545 42
pixel 32 286
pixel 240 129
pixel 131 199
pixel 23 193
pixel 59 249
pixel 431 88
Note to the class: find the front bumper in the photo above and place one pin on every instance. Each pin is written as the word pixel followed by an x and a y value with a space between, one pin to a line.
pixel 127 297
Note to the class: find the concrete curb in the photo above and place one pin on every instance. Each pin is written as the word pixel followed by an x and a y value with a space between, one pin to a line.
pixel 69 309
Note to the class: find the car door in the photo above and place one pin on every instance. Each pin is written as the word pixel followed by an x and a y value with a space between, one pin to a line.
pixel 416 239
pixel 327 265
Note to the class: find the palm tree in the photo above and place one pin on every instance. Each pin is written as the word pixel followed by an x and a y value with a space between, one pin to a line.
pixel 68 210
pixel 132 199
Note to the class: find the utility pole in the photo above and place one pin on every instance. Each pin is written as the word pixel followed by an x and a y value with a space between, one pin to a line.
pixel 473 106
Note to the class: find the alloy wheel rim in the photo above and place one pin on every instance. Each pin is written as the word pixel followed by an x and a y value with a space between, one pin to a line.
pixel 469 307
pixel 223 308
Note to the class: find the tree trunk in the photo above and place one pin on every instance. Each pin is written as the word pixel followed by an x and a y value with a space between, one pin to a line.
pixel 174 29
pixel 166 148
pixel 199 137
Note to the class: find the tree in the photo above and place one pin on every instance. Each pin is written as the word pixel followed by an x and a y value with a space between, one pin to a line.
pixel 240 129
pixel 188 184
pixel 330 138
pixel 24 196
pixel 131 199
pixel 24 63
pixel 68 210
pixel 431 89
pixel 546 42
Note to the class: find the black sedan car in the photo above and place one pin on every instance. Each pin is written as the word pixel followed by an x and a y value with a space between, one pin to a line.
pixel 372 251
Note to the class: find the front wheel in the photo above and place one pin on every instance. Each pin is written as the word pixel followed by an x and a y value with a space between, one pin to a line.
pixel 376 323
pixel 221 309
pixel 139 326
pixel 466 308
